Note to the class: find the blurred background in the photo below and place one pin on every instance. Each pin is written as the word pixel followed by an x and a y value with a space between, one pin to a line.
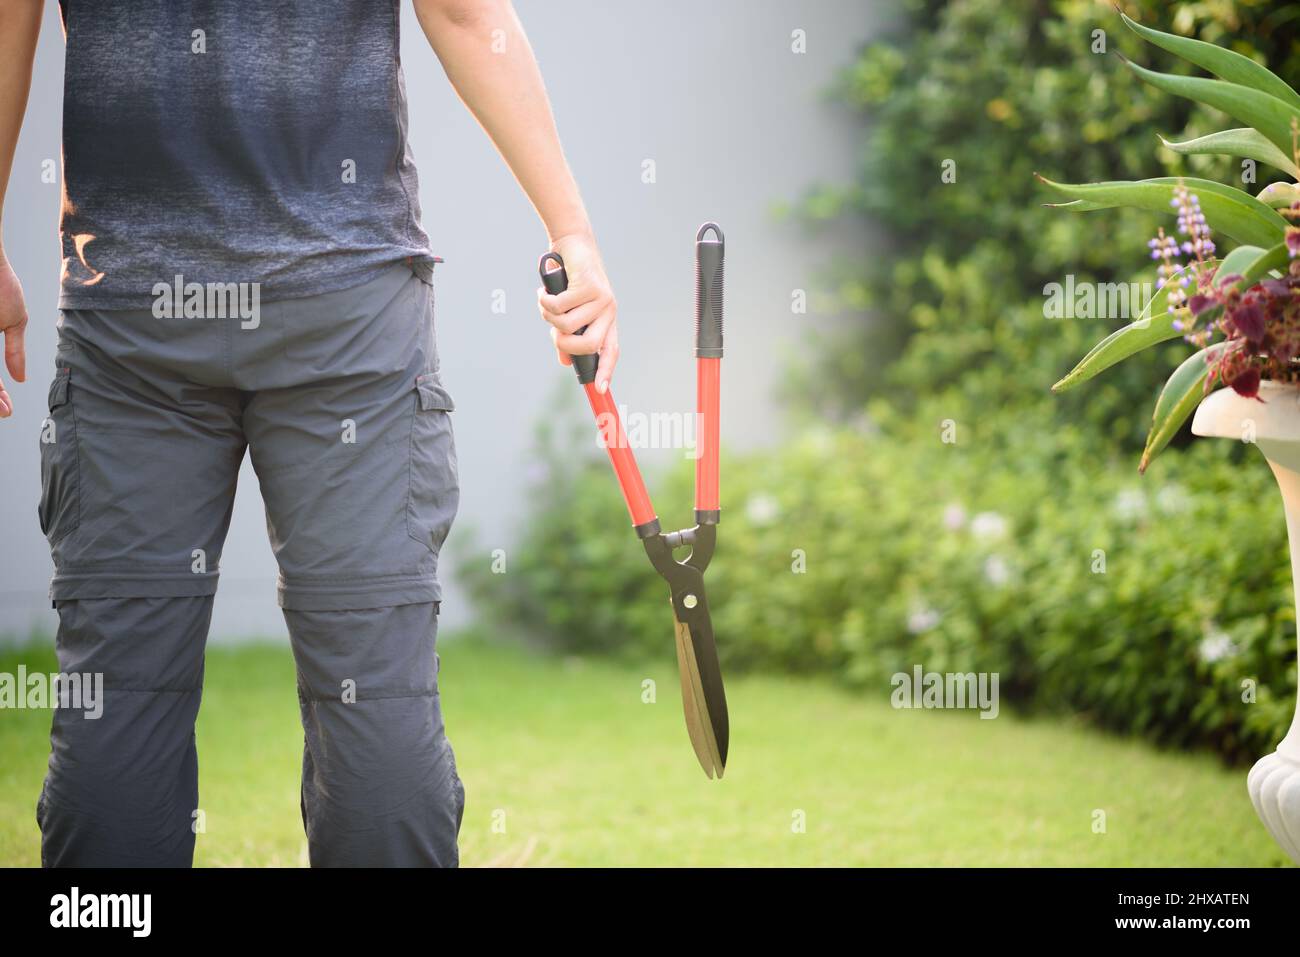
pixel 899 486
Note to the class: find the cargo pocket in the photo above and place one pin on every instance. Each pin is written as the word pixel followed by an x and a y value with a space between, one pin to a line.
pixel 60 505
pixel 434 485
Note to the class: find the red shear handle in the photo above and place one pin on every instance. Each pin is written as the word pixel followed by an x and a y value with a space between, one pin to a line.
pixel 708 352
pixel 556 280
pixel 706 462
pixel 620 455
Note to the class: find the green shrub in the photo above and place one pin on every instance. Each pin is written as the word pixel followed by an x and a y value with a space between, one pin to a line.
pixel 976 556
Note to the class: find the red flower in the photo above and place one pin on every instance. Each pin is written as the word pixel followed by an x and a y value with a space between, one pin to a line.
pixel 1247 382
pixel 1249 321
pixel 1293 241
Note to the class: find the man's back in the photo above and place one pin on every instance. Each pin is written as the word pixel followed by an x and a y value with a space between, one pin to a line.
pixel 236 143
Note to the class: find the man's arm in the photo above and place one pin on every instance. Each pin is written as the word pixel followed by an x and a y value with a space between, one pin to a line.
pixel 20 24
pixel 488 59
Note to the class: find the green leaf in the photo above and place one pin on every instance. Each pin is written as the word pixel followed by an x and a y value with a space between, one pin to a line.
pixel 1241 142
pixel 1156 325
pixel 1279 195
pixel 1252 269
pixel 1179 399
pixel 1237 262
pixel 1267 114
pixel 1236 214
pixel 1227 64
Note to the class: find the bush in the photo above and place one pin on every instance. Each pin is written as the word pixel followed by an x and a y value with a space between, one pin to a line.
pixel 984 555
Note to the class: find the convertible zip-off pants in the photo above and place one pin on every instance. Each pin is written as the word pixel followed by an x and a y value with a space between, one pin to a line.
pixel 338 399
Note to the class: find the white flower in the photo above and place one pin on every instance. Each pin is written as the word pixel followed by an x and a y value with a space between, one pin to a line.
pixel 1173 499
pixel 988 525
pixel 762 509
pixel 1131 503
pixel 1216 645
pixel 954 517
pixel 923 618
pixel 996 570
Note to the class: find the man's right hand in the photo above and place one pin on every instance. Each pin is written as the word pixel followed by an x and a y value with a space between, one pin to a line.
pixel 13 323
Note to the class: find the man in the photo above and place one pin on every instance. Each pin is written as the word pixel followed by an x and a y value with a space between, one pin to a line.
pixel 245 269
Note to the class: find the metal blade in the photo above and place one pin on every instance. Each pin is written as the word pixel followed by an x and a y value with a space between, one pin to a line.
pixel 693 699
pixel 703 701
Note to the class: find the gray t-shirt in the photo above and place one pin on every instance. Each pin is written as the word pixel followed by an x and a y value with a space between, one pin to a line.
pixel 230 142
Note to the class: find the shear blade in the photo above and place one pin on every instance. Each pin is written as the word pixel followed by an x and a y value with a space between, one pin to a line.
pixel 706 711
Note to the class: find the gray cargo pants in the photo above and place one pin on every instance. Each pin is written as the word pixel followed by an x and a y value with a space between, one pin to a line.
pixel 339 401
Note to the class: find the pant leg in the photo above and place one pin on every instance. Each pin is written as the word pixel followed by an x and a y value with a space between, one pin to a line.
pixel 379 781
pixel 139 460
pixel 122 788
pixel 354 451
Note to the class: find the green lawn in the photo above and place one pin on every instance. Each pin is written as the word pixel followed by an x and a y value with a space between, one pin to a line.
pixel 583 773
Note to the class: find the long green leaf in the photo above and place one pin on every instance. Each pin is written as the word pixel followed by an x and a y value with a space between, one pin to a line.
pixel 1267 114
pixel 1241 142
pixel 1236 214
pixel 1227 64
pixel 1178 399
pixel 1156 325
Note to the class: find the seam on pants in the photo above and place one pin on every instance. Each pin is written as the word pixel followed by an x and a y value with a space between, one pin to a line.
pixel 130 568
pixel 328 699
pixel 352 595
pixel 360 582
pixel 116 690
pixel 140 586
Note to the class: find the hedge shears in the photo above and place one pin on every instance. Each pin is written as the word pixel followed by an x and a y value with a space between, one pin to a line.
pixel 703 698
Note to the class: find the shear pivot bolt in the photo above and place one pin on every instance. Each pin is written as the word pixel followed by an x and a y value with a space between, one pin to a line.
pixel 690 601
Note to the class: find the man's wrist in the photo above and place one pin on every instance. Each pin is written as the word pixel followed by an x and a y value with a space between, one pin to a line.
pixel 557 238
pixel 569 227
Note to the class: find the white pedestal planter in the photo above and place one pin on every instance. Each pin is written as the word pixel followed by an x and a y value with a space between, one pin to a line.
pixel 1273 425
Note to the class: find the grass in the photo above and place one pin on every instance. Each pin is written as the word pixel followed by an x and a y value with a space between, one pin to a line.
pixel 582 772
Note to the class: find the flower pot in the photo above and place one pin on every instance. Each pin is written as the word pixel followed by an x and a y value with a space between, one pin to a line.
pixel 1274 426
